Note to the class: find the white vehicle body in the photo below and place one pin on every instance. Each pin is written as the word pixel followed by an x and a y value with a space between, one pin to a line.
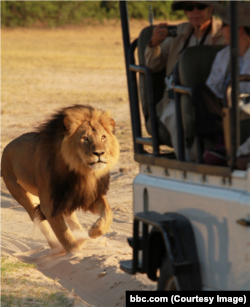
pixel 213 205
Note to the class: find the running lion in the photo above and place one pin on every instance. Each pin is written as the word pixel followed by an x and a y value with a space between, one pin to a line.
pixel 62 167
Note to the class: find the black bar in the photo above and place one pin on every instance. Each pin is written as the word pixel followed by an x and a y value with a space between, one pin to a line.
pixel 134 99
pixel 180 132
pixel 152 113
pixel 135 122
pixel 144 141
pixel 151 107
pixel 125 32
pixel 135 247
pixel 235 80
pixel 137 68
pixel 144 247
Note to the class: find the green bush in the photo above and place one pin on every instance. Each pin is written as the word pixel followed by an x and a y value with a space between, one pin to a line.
pixel 140 9
pixel 59 13
pixel 47 13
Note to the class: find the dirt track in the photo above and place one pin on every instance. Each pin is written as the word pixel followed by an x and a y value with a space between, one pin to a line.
pixel 43 70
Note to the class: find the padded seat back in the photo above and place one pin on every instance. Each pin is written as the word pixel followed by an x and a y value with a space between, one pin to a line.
pixel 158 77
pixel 194 68
pixel 195 64
pixel 158 86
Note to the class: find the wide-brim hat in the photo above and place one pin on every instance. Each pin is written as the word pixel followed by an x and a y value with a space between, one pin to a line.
pixel 243 13
pixel 179 5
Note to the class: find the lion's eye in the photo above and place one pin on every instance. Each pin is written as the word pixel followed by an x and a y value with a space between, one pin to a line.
pixel 84 139
pixel 103 138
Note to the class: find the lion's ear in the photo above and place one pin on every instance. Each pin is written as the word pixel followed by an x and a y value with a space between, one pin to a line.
pixel 112 123
pixel 69 124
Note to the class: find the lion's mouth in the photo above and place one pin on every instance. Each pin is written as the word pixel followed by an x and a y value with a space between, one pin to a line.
pixel 97 162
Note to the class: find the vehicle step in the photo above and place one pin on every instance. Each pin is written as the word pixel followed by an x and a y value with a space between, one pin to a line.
pixel 153 218
pixel 144 141
pixel 127 266
pixel 130 242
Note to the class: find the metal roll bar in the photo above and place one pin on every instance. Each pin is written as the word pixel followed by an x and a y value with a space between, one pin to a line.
pixel 235 132
pixel 131 70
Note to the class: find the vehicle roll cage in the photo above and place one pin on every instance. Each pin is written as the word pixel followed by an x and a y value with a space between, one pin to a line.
pixel 138 141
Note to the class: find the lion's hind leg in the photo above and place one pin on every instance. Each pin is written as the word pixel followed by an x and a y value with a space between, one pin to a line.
pixel 41 222
pixel 29 202
pixel 73 222
pixel 74 225
pixel 58 223
pixel 102 225
pixel 24 198
pixel 63 233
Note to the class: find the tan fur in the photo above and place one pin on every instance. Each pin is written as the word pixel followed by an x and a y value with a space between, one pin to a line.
pixel 66 165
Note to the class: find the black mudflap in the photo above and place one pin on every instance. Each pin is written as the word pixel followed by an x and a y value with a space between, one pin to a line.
pixel 170 246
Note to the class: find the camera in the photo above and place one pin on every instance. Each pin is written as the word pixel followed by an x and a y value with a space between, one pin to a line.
pixel 172 31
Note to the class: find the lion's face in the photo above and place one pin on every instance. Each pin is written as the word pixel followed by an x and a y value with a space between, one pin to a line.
pixel 89 144
pixel 93 146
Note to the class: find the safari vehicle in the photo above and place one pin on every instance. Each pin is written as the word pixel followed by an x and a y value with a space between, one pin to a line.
pixel 191 220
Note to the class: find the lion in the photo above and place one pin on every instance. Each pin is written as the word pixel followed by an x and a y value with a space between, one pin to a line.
pixel 61 167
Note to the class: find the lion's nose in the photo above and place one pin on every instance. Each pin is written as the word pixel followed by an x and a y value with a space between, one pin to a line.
pixel 98 153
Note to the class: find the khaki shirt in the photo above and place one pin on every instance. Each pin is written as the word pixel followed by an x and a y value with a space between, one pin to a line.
pixel 167 53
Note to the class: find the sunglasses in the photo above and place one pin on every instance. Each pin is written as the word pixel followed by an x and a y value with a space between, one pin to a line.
pixel 224 25
pixel 190 6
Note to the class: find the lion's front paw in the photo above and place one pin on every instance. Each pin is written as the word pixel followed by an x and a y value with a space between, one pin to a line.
pixel 95 232
pixel 99 228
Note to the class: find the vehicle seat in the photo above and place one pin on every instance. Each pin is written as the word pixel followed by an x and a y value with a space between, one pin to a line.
pixel 193 68
pixel 158 86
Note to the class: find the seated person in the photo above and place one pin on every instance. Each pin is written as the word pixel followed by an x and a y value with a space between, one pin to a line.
pixel 208 98
pixel 164 51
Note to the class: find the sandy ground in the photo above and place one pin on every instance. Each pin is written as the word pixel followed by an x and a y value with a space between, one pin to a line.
pixel 43 70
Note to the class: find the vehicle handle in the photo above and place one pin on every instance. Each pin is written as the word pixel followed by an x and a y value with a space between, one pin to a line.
pixel 243 222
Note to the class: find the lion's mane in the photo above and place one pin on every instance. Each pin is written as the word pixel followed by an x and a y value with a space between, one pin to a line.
pixel 72 185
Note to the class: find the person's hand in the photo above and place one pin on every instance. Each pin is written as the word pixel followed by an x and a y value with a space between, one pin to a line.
pixel 160 32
